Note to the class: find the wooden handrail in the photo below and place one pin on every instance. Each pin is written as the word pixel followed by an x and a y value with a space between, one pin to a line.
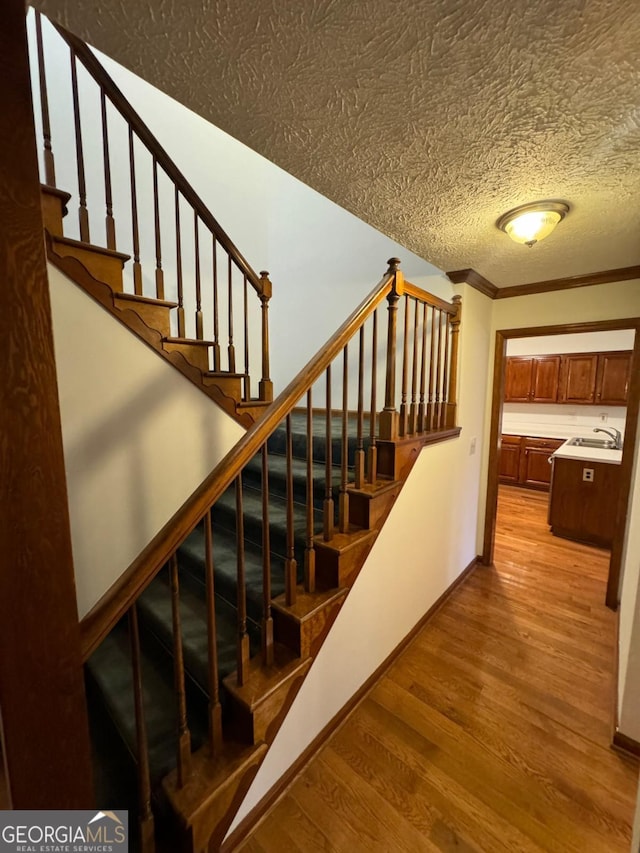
pixel 115 95
pixel 116 601
pixel 428 298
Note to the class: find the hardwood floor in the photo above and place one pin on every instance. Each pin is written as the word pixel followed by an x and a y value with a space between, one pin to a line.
pixel 491 732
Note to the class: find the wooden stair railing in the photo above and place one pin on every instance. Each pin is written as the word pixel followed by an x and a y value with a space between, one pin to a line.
pixel 183 261
pixel 321 544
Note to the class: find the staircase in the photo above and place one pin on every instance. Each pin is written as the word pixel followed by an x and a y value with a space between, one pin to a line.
pixel 195 655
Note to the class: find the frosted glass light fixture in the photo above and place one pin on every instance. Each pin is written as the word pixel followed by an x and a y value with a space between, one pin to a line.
pixel 531 223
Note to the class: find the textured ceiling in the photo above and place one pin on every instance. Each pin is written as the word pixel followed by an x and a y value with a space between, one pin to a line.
pixel 426 118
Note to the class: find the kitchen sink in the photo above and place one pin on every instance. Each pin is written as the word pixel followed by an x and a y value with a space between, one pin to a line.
pixel 601 443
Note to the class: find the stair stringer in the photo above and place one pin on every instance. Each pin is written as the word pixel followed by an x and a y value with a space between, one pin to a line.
pixel 103 293
pixel 194 803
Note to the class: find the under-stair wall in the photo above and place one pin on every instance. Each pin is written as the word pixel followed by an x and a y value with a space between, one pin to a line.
pixel 138 438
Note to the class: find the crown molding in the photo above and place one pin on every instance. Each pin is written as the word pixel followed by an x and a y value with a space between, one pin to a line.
pixel 602 277
pixel 474 279
pixel 479 282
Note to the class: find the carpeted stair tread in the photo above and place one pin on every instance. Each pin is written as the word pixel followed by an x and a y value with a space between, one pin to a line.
pixel 224 515
pixel 110 668
pixel 252 476
pixel 277 442
pixel 191 557
pixel 156 611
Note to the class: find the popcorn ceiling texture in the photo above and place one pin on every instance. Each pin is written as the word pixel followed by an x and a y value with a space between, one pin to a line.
pixel 425 118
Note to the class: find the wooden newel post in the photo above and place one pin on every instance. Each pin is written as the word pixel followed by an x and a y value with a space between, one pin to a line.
pixel 450 418
pixel 266 385
pixel 389 415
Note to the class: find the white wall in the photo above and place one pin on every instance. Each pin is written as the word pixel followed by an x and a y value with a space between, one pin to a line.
pixel 138 437
pixel 440 499
pixel 621 339
pixel 610 301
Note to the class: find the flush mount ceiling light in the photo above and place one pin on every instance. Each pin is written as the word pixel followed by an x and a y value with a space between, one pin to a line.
pixel 530 223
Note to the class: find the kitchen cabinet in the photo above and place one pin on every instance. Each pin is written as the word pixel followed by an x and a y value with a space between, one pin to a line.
pixel 510 458
pixel 612 381
pixel 592 378
pixel 524 460
pixel 584 509
pixel 532 379
pixel 578 378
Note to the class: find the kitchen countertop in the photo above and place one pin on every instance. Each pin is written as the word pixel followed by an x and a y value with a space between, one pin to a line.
pixel 588 454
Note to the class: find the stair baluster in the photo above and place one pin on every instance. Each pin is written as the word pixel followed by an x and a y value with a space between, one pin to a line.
pixel 266 385
pixel 430 404
pixel 215 708
pixel 137 268
pixel 267 617
pixel 232 349
pixel 309 551
pixel 438 371
pixel 359 458
pixel 83 213
pixel 389 416
pixel 421 426
pixel 247 381
pixel 179 280
pixel 404 412
pixel 291 566
pixel 343 500
pixel 196 239
pixel 156 220
pixel 184 735
pixel 109 222
pixel 49 164
pixel 241 603
pixel 327 512
pixel 445 379
pixel 216 315
pixel 413 411
pixel 145 815
pixel 372 462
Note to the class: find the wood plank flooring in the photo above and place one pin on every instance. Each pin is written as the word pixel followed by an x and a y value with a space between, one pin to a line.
pixel 491 731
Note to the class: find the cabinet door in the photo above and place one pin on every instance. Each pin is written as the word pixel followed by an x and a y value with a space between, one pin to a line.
pixel 614 371
pixel 510 458
pixel 546 373
pixel 579 378
pixel 518 380
pixel 535 470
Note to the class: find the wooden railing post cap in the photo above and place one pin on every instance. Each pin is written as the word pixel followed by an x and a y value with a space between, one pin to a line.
pixel 265 281
pixel 394 270
pixel 457 302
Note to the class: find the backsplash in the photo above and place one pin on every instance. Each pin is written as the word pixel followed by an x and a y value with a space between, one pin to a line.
pixel 559 421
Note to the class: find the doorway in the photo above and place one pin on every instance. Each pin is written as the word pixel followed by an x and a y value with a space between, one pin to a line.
pixel 631 425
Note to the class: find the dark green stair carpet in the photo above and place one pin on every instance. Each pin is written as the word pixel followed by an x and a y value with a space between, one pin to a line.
pixel 109 670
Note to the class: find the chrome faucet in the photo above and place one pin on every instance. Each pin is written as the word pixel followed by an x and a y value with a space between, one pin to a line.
pixel 614 434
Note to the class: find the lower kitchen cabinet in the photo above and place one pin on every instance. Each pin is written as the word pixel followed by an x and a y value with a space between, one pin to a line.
pixel 524 460
pixel 584 509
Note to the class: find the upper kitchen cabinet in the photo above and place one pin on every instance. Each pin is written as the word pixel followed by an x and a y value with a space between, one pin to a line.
pixel 578 380
pixel 532 379
pixel 612 382
pixel 596 378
